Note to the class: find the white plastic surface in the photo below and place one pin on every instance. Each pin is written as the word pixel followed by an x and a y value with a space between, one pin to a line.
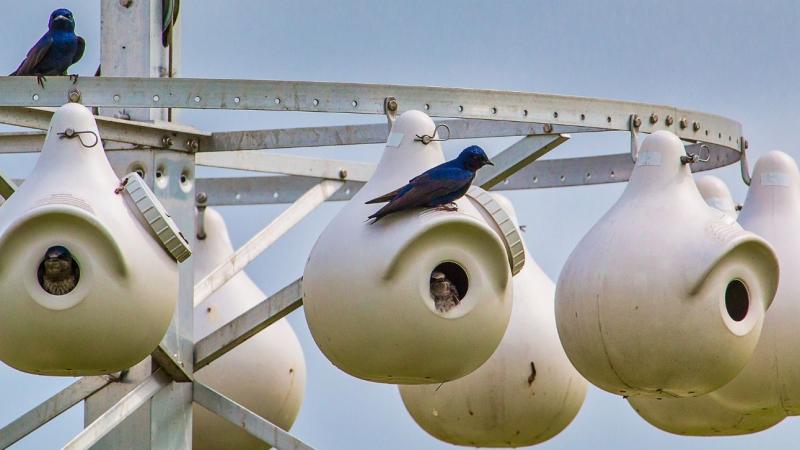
pixel 128 285
pixel 367 286
pixel 266 374
pixel 641 301
pixel 503 404
pixel 716 194
pixel 768 388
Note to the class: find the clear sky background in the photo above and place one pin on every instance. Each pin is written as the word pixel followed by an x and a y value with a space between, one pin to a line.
pixel 734 58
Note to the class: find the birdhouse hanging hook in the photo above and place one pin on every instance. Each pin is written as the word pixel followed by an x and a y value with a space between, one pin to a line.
pixel 427 139
pixel 69 133
pixel 691 158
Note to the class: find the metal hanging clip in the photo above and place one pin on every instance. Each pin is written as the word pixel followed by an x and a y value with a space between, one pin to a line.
pixel 744 166
pixel 201 202
pixel 426 139
pixel 692 158
pixel 69 133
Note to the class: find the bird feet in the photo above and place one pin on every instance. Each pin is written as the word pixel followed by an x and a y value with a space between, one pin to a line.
pixel 74 78
pixel 447 207
pixel 40 79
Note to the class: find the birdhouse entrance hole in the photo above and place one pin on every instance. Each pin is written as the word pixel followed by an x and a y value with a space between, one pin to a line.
pixel 737 300
pixel 58 273
pixel 449 284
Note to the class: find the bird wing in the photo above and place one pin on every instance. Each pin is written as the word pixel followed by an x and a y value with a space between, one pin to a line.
pixel 79 51
pixel 418 179
pixel 385 197
pixel 34 56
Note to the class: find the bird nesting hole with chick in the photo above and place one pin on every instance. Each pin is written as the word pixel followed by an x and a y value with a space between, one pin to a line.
pixel 437 188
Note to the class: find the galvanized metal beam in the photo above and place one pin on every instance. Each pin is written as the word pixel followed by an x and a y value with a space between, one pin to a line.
pixel 117 413
pixel 51 408
pixel 244 418
pixel 355 98
pixel 368 134
pixel 288 164
pixel 264 238
pixel 170 364
pixel 514 158
pixel 163 135
pixel 243 327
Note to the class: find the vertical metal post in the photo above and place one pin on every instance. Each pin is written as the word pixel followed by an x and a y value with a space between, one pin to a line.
pixel 131 45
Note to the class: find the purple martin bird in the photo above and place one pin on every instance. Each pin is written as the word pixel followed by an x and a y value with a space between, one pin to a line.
pixel 437 187
pixel 444 292
pixel 59 272
pixel 58 49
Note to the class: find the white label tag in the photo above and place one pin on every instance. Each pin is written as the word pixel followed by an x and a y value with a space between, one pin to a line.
pixel 394 139
pixel 775 179
pixel 648 159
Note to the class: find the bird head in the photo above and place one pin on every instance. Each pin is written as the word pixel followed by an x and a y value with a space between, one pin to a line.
pixel 473 158
pixel 61 19
pixel 58 261
pixel 437 277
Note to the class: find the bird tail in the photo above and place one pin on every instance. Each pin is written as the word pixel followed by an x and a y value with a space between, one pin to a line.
pixel 382 199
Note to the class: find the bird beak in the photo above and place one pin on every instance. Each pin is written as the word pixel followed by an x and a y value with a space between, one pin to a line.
pixel 489 162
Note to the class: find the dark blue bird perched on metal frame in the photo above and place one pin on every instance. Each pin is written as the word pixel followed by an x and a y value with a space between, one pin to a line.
pixel 58 49
pixel 437 187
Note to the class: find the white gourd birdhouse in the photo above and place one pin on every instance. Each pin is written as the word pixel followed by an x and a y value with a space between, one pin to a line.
pixel 716 194
pixel 110 303
pixel 266 374
pixel 768 388
pixel 664 296
pixel 525 394
pixel 367 287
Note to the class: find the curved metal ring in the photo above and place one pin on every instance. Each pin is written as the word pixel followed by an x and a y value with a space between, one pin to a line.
pixel 427 139
pixel 69 133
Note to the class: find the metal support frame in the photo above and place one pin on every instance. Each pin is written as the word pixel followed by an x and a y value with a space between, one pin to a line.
pixel 51 408
pixel 264 238
pixel 249 421
pixel 153 408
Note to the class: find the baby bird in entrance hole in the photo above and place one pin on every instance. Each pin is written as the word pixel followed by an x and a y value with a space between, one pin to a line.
pixel 444 292
pixel 436 188
pixel 58 49
pixel 59 272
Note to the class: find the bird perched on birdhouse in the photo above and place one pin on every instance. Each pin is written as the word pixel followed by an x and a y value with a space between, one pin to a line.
pixel 438 187
pixel 58 49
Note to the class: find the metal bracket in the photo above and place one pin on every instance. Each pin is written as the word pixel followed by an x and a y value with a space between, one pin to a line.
pixel 635 123
pixel 390 108
pixel 170 364
pixel 692 158
pixel 744 165
pixel 201 202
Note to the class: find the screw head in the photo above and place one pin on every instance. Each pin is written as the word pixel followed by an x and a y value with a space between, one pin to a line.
pixel 192 145
pixel 684 122
pixel 548 128
pixel 166 141
pixel 342 173
pixel 696 126
pixel 669 121
pixel 126 3
pixel 201 197
pixel 653 118
pixel 391 104
pixel 74 95
pixel 637 121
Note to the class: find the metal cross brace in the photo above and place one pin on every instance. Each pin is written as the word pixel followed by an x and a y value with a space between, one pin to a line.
pixel 242 417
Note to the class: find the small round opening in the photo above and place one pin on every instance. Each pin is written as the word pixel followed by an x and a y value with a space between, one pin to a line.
pixel 58 272
pixel 737 300
pixel 448 285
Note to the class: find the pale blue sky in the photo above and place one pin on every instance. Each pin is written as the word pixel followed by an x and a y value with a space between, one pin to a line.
pixel 734 58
